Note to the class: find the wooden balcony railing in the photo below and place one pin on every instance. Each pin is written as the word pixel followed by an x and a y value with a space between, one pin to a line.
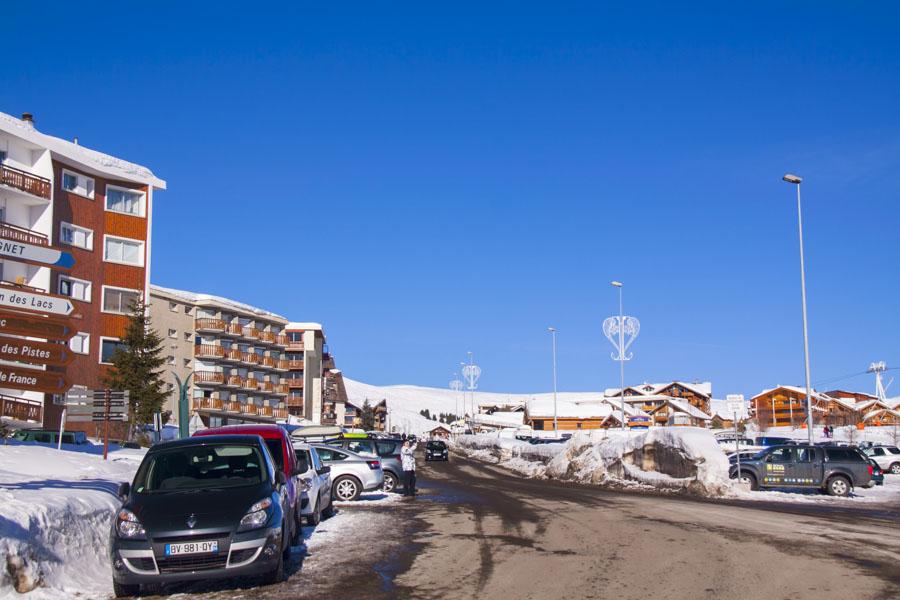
pixel 264 411
pixel 21 180
pixel 20 234
pixel 268 361
pixel 283 365
pixel 267 337
pixel 233 406
pixel 250 384
pixel 209 378
pixel 235 381
pixel 294 346
pixel 205 324
pixel 294 400
pixel 234 354
pixel 281 339
pixel 280 413
pixel 266 386
pixel 251 358
pixel 234 329
pixel 295 364
pixel 294 382
pixel 206 404
pixel 251 332
pixel 21 409
pixel 282 389
pixel 209 351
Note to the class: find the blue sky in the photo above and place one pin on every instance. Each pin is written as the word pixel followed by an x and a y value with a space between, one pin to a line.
pixel 427 180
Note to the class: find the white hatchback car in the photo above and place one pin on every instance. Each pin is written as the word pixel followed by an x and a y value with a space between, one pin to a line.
pixel 887 457
pixel 315 484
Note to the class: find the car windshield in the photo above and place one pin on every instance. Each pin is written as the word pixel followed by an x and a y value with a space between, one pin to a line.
pixel 435 445
pixel 201 467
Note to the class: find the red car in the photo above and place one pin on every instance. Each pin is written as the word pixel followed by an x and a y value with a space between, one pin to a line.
pixel 278 443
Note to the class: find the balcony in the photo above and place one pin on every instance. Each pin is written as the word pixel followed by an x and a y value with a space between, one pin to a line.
pixel 234 355
pixel 294 382
pixel 266 386
pixel 251 332
pixel 20 234
pixel 295 365
pixel 21 409
pixel 267 337
pixel 282 389
pixel 294 346
pixel 209 378
pixel 295 401
pixel 206 404
pixel 268 361
pixel 250 384
pixel 281 339
pixel 264 411
pixel 25 182
pixel 251 358
pixel 209 351
pixel 234 329
pixel 283 365
pixel 216 325
pixel 280 413
pixel 233 406
pixel 235 381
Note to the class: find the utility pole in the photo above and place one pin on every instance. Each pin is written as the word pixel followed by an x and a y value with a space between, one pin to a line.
pixel 552 331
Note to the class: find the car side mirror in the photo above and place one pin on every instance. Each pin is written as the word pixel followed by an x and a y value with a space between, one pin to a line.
pixel 324 470
pixel 280 478
pixel 124 490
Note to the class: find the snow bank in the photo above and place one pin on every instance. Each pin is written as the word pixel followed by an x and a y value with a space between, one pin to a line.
pixel 685 459
pixel 55 513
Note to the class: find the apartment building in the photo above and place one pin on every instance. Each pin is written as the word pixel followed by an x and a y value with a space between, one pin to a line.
pixel 244 364
pixel 316 389
pixel 57 193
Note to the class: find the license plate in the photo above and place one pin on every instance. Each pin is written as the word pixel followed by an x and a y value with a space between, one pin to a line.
pixel 192 548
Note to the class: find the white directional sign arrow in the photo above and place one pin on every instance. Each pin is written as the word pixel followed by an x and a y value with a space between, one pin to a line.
pixel 31 253
pixel 25 300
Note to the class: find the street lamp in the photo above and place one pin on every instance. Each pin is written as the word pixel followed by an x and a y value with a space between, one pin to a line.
pixel 471 372
pixel 794 179
pixel 456 385
pixel 615 329
pixel 552 331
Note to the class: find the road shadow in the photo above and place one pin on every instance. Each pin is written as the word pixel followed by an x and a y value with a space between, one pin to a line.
pixel 97 485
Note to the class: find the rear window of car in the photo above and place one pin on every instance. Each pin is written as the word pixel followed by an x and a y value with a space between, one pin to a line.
pixel 843 455
pixel 387 448
pixel 366 447
pixel 275 450
pixel 894 450
pixel 303 460
pixel 328 454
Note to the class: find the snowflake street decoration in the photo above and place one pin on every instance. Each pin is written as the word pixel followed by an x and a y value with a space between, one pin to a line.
pixel 611 329
pixel 472 373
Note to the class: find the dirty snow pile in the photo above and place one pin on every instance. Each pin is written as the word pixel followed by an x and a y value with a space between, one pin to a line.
pixel 684 459
pixel 55 513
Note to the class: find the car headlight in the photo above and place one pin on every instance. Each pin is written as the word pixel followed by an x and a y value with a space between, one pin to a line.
pixel 128 525
pixel 256 516
pixel 305 484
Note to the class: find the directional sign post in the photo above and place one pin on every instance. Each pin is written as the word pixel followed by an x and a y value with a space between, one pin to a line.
pixel 31 325
pixel 98 406
pixel 36 255
pixel 735 404
pixel 33 380
pixel 38 301
pixel 35 353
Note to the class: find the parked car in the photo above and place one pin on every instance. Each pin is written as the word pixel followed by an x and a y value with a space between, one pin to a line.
pixel 436 450
pixel 387 450
pixel 50 436
pixel 351 473
pixel 201 508
pixel 315 485
pixel 745 456
pixel 832 469
pixel 773 441
pixel 877 474
pixel 278 442
pixel 887 457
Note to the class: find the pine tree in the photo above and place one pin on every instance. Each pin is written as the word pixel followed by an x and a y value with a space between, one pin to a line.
pixel 367 416
pixel 136 367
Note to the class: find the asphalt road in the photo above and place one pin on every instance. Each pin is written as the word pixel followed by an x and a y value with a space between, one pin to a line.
pixel 477 531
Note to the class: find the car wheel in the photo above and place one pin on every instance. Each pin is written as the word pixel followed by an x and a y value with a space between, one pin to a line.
pixel 298 529
pixel 315 517
pixel 124 591
pixel 895 468
pixel 748 478
pixel 329 510
pixel 276 575
pixel 390 482
pixel 346 488
pixel 838 486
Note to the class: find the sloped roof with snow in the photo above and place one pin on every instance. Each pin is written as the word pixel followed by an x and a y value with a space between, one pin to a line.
pixel 704 388
pixel 797 390
pixel 688 408
pixel 543 407
pixel 500 419
pixel 91 160
pixel 226 303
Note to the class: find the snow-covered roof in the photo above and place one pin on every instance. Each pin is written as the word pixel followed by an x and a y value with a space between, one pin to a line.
pixel 70 152
pixel 205 299
pixel 500 419
pixel 543 407
pixel 304 326
pixel 704 388
pixel 881 411
pixel 687 408
pixel 795 389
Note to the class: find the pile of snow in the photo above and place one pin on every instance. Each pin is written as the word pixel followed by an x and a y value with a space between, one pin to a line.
pixel 877 435
pixel 664 458
pixel 56 509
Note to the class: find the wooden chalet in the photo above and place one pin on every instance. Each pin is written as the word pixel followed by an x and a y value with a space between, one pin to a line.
pixel 674 412
pixel 570 416
pixel 696 394
pixel 441 432
pixel 785 406
pixel 353 414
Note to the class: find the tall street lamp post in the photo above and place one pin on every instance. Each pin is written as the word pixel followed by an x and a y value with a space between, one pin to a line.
pixel 552 331
pixel 795 180
pixel 621 332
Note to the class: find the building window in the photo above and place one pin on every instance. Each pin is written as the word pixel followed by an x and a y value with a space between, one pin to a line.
pixel 108 347
pixel 187 362
pixel 77 289
pixel 78 184
pixel 124 201
pixel 2 156
pixel 80 343
pixel 170 360
pixel 123 250
pixel 173 306
pixel 74 235
pixel 119 301
pixel 173 333
pixel 188 336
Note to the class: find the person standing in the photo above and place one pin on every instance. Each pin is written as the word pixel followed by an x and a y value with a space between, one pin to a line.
pixel 408 462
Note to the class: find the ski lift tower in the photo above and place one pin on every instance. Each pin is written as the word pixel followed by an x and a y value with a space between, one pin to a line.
pixel 879 368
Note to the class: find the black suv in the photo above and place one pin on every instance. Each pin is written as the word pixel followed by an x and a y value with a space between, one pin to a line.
pixel 201 508
pixel 833 469
pixel 436 450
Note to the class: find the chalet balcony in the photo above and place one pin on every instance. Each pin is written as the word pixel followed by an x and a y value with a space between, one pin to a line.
pixel 25 182
pixel 268 361
pixel 234 329
pixel 251 333
pixel 206 404
pixel 250 384
pixel 294 382
pixel 267 337
pixel 295 401
pixel 21 409
pixel 209 351
pixel 209 378
pixel 20 234
pixel 214 325
pixel 282 389
pixel 295 365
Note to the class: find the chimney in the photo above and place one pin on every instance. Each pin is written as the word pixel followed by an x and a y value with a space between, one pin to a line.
pixel 28 118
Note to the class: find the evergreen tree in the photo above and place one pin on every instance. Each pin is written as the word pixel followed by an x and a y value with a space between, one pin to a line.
pixel 367 415
pixel 136 367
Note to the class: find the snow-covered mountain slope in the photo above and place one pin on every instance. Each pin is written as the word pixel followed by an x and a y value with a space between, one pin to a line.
pixel 405 401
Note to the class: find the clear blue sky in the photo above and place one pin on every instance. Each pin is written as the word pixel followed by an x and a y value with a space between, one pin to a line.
pixel 464 176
